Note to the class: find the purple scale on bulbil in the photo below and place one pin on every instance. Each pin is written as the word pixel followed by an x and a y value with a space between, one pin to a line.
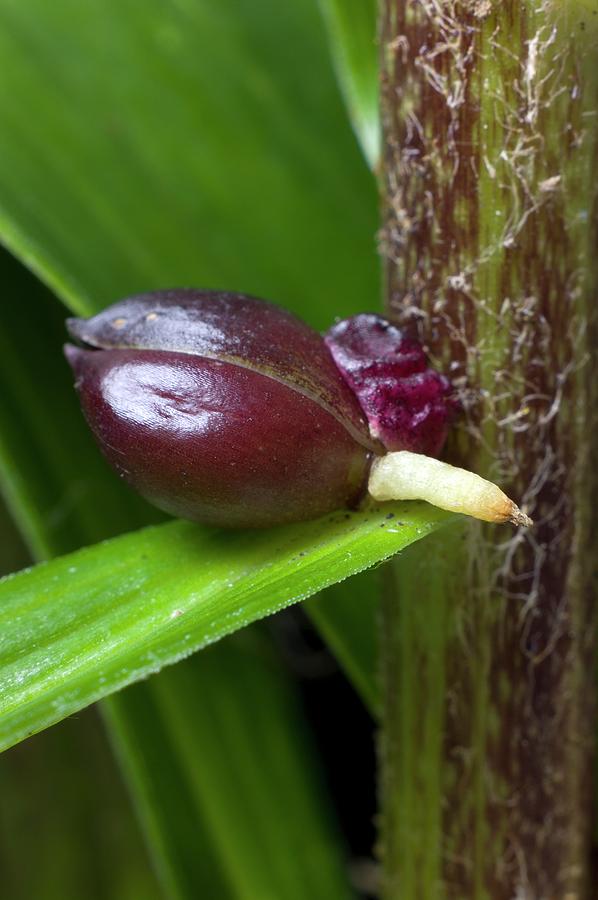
pixel 408 405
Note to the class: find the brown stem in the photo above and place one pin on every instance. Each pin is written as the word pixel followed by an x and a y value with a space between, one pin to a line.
pixel 490 112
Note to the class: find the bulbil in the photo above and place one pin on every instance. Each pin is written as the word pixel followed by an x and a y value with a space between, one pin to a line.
pixel 226 409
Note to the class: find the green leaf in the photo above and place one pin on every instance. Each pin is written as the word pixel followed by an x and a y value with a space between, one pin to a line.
pixel 346 617
pixel 80 627
pixel 243 784
pixel 254 807
pixel 64 807
pixel 183 853
pixel 352 28
pixel 178 143
pixel 13 552
pixel 34 825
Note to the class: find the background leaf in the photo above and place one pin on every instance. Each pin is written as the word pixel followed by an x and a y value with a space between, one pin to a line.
pixel 64 807
pixel 254 806
pixel 57 485
pixel 352 27
pixel 346 617
pixel 179 143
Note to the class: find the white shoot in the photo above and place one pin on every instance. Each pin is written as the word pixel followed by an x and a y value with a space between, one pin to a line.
pixel 413 476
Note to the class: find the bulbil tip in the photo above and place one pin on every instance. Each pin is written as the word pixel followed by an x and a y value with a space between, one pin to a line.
pixel 519 518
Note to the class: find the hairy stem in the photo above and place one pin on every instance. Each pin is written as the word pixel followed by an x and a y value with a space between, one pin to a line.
pixel 490 114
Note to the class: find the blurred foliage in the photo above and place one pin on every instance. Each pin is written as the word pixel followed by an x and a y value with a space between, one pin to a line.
pixel 66 827
pixel 64 805
pixel 144 146
pixel 182 143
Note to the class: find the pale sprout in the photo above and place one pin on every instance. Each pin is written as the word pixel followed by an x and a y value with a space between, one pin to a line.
pixel 413 476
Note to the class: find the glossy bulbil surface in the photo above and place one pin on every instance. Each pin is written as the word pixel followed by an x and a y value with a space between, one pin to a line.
pixel 221 408
pixel 408 405
pixel 233 328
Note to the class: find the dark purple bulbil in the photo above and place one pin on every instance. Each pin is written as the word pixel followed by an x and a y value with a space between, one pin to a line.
pixel 408 405
pixel 225 409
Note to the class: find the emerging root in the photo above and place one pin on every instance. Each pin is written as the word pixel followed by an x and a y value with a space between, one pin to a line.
pixel 413 476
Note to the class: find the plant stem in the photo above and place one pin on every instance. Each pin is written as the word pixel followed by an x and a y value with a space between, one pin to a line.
pixel 490 112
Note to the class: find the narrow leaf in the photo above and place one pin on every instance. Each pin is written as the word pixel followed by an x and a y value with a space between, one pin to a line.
pixel 252 786
pixel 215 754
pixel 80 627
pixel 354 606
pixel 183 853
pixel 352 28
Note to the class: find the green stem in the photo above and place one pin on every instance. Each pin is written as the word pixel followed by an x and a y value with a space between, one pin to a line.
pixel 490 112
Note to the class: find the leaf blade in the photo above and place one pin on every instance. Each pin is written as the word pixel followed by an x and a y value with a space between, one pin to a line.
pixel 346 617
pixel 265 743
pixel 112 620
pixel 352 26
